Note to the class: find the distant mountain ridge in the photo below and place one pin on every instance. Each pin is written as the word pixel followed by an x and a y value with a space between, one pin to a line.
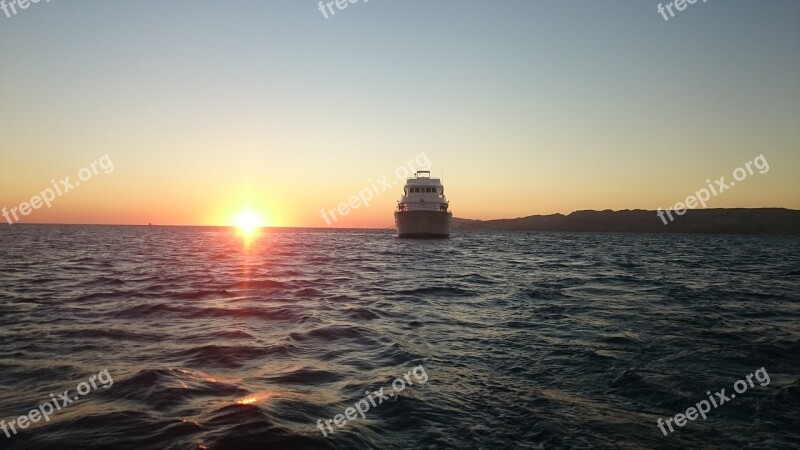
pixel 772 221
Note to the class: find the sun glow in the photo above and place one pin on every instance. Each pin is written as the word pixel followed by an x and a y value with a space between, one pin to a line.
pixel 248 222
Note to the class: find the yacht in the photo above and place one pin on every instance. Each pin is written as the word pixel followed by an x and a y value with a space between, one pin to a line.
pixel 422 211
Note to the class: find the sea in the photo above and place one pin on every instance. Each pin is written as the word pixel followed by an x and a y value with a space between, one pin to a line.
pixel 201 338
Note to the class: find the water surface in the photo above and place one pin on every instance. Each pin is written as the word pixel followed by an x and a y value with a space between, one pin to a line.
pixel 529 340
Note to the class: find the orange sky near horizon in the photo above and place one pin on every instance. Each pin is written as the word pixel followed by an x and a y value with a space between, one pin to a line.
pixel 282 199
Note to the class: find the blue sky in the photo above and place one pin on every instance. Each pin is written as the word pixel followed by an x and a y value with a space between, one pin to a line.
pixel 528 106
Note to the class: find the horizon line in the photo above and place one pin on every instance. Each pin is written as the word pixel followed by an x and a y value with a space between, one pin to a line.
pixel 370 228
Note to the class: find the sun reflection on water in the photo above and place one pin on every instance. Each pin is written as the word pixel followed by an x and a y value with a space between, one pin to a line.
pixel 256 398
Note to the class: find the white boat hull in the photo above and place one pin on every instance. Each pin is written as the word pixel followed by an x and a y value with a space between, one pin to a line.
pixel 423 223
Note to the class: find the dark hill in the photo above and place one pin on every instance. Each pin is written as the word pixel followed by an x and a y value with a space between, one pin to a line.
pixel 717 221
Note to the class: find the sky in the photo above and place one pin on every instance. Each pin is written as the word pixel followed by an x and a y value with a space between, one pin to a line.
pixel 207 109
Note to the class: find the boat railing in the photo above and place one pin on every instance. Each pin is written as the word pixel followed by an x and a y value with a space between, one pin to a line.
pixel 428 206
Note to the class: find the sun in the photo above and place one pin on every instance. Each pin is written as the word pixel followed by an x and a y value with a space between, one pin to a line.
pixel 248 222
